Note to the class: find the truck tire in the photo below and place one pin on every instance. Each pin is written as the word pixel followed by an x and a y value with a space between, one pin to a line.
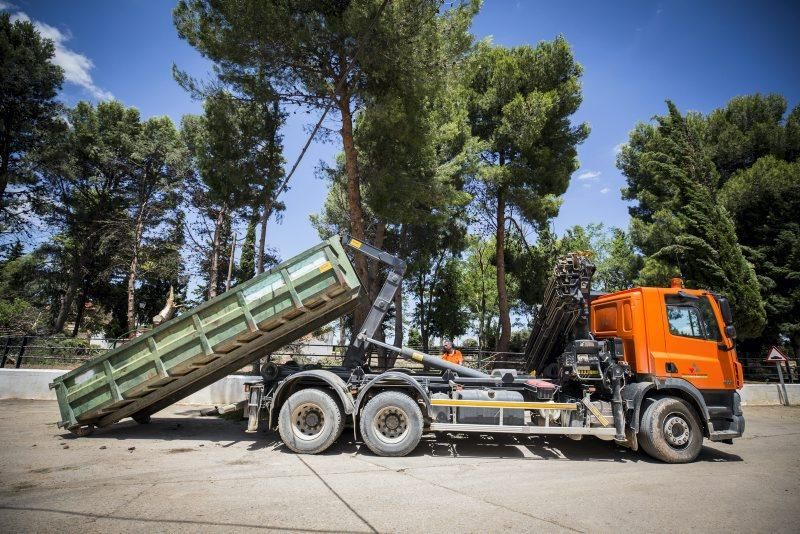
pixel 310 421
pixel 391 424
pixel 669 431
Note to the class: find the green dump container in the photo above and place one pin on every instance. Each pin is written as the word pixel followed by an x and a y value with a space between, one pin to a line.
pixel 212 340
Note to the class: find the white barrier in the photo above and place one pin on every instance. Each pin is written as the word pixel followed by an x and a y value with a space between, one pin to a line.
pixel 33 384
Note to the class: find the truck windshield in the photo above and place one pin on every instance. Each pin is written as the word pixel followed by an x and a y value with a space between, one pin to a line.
pixel 692 318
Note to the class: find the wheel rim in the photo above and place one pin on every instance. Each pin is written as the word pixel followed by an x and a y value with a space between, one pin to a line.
pixel 391 424
pixel 677 431
pixel 308 421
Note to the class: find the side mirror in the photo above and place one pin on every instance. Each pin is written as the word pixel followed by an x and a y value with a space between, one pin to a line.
pixel 730 331
pixel 725 308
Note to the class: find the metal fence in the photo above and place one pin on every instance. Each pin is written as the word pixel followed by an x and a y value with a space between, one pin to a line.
pixel 756 369
pixel 18 350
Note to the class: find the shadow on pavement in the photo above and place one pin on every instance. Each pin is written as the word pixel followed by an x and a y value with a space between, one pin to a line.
pixel 227 433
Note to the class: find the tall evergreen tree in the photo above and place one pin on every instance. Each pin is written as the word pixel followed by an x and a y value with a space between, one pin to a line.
pixel 247 260
pixel 764 201
pixel 86 171
pixel 223 181
pixel 520 101
pixel 670 172
pixel 750 127
pixel 160 164
pixel 323 55
pixel 29 83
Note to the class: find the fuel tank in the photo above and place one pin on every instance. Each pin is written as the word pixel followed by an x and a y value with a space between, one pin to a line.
pixel 489 416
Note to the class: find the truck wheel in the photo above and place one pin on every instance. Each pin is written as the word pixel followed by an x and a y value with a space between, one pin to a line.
pixel 142 419
pixel 391 424
pixel 310 421
pixel 669 431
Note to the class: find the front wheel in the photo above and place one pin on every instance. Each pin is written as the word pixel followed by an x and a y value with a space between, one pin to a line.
pixel 310 421
pixel 670 432
pixel 391 424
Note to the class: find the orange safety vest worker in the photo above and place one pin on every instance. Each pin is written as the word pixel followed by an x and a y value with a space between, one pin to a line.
pixel 455 357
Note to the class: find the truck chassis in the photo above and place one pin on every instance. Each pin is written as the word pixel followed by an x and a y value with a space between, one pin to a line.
pixel 586 389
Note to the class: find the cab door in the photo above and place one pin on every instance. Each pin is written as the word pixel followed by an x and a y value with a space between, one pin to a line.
pixel 692 342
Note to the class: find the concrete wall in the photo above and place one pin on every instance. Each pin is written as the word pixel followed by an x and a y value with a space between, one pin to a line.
pixel 32 384
pixel 767 394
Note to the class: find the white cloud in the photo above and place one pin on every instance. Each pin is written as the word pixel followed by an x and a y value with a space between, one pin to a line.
pixel 604 190
pixel 6 5
pixel 589 175
pixel 76 66
pixel 618 147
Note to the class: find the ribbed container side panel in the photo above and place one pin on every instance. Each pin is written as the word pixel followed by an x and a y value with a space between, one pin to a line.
pixel 216 338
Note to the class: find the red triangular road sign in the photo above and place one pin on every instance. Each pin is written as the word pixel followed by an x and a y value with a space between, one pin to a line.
pixel 775 355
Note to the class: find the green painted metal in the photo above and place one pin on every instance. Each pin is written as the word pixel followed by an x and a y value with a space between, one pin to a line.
pixel 211 341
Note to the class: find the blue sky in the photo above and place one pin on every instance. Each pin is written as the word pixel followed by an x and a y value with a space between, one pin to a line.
pixel 635 55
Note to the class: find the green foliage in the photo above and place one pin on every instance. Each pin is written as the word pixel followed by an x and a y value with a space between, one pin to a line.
pixel 620 266
pixel 680 225
pixel 448 317
pixel 86 171
pixel 247 260
pixel 519 103
pixel 479 286
pixel 764 201
pixel 750 127
pixel 18 316
pixel 236 151
pixel 29 82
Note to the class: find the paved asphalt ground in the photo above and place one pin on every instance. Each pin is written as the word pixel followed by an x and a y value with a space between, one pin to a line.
pixel 188 473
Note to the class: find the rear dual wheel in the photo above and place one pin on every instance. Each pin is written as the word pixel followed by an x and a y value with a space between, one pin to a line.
pixel 391 424
pixel 310 421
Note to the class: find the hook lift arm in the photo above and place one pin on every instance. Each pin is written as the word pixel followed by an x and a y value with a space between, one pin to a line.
pixel 355 355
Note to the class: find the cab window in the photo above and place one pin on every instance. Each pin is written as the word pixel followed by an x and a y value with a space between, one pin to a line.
pixel 691 318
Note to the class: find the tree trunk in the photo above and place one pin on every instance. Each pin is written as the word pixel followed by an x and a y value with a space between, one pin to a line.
pixel 133 271
pixel 213 277
pixel 375 271
pixel 230 264
pixel 79 315
pixel 423 320
pixel 5 157
pixel 354 197
pixel 68 297
pixel 502 295
pixel 482 305
pixel 262 239
pixel 398 325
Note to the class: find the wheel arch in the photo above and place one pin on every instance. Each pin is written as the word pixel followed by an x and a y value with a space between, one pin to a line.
pixel 310 378
pixel 636 393
pixel 396 380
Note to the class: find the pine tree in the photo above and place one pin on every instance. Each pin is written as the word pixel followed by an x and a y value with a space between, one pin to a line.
pixel 670 171
pixel 247 260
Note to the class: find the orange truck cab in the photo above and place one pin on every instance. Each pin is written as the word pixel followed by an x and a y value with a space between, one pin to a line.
pixel 678 343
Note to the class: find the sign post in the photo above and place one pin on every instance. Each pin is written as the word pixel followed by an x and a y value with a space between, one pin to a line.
pixel 778 358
